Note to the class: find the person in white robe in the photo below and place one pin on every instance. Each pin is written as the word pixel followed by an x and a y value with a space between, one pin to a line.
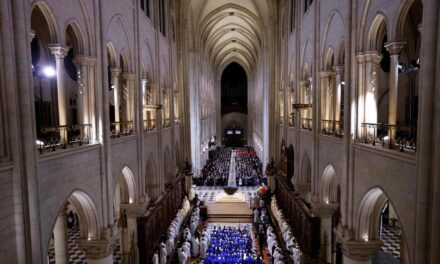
pixel 182 256
pixel 155 259
pixel 195 247
pixel 163 253
pixel 203 248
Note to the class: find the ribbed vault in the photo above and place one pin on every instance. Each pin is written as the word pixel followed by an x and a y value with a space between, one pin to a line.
pixel 230 31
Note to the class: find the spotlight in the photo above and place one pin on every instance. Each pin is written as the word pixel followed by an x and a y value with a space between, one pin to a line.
pixel 48 71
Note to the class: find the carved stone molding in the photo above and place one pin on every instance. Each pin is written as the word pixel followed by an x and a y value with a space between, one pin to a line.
pixel 338 69
pixel 373 57
pixel 58 51
pixel 324 210
pixel 96 249
pixel 355 249
pixel 394 47
pixel 135 210
pixel 116 72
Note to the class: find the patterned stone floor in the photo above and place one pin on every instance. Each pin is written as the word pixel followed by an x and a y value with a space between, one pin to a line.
pixel 391 239
pixel 77 255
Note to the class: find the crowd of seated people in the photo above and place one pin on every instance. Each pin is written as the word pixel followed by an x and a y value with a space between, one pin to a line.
pixel 248 167
pixel 230 245
pixel 216 170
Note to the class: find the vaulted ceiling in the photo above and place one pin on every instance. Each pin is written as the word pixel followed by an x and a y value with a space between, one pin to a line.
pixel 230 31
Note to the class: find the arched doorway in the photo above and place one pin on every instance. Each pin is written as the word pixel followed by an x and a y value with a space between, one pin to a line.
pixel 125 196
pixel 329 196
pixel 77 221
pixel 378 220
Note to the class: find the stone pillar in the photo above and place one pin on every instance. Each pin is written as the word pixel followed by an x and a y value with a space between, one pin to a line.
pixel 60 239
pixel 60 53
pixel 339 69
pixel 325 213
pixel 303 100
pixel 116 99
pixel 97 251
pixel 326 99
pixel 129 95
pixel 356 251
pixel 372 60
pixel 133 211
pixel 83 93
pixel 360 96
pixel 145 96
pixel 394 49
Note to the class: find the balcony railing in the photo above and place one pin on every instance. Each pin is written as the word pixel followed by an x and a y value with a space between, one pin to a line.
pixel 122 128
pixel 306 123
pixel 149 125
pixel 333 127
pixel 60 137
pixel 377 134
pixel 166 122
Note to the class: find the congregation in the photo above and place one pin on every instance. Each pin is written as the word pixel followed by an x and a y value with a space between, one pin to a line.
pixel 216 171
pixel 248 167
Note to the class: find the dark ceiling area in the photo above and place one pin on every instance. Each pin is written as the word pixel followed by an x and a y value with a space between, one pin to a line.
pixel 234 89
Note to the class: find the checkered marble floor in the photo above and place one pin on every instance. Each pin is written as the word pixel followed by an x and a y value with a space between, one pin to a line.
pixel 77 255
pixel 391 239
pixel 209 192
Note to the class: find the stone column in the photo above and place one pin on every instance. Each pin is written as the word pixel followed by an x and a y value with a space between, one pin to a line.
pixel 394 49
pixel 129 95
pixel 144 102
pixel 133 211
pixel 116 99
pixel 97 251
pixel 60 239
pixel 326 101
pixel 303 100
pixel 325 212
pixel 60 53
pixel 372 60
pixel 91 97
pixel 360 117
pixel 83 93
pixel 338 69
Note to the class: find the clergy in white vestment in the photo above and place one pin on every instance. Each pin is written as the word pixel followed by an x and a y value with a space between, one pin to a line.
pixel 182 256
pixel 163 253
pixel 155 259
pixel 195 247
pixel 170 245
pixel 203 248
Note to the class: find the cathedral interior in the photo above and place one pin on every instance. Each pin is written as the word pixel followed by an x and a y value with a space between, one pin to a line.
pixel 219 131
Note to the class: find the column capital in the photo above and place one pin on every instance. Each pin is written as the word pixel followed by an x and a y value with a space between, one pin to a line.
pixel 96 249
pixel 325 74
pixel 116 72
pixel 360 56
pixel 134 210
pixel 338 69
pixel 324 210
pixel 58 51
pixel 355 249
pixel 372 56
pixel 394 47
